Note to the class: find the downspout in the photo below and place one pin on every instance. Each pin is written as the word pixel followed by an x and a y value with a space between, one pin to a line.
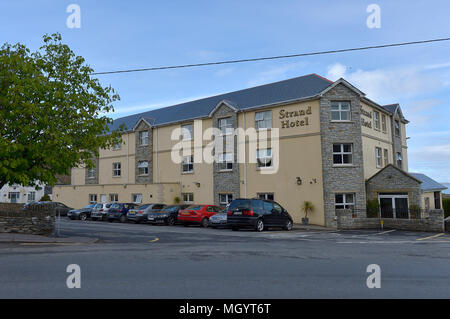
pixel 245 158
pixel 156 155
pixel 128 157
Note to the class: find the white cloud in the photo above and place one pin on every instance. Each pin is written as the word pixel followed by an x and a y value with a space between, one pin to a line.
pixel 336 71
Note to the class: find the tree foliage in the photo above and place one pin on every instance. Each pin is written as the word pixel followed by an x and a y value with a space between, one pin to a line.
pixel 52 113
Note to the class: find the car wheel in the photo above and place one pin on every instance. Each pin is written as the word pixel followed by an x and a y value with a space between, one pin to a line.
pixel 110 220
pixel 185 225
pixel 288 225
pixel 93 218
pixel 123 219
pixel 170 221
pixel 234 228
pixel 259 225
pixel 83 216
pixel 204 223
pixel 104 218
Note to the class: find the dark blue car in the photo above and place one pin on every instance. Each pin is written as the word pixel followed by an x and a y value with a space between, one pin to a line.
pixel 118 211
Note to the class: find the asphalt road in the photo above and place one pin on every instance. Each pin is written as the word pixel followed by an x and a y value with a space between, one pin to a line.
pixel 145 261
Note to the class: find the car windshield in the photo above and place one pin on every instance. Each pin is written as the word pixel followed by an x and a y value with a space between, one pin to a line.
pixel 195 207
pixel 98 206
pixel 90 206
pixel 143 206
pixel 170 209
pixel 239 203
pixel 115 206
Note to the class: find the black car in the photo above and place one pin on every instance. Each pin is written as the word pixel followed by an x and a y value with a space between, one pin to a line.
pixel 59 208
pixel 139 214
pixel 167 215
pixel 118 211
pixel 81 214
pixel 258 214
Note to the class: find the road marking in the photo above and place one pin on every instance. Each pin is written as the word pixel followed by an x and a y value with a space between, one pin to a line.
pixel 154 240
pixel 385 232
pixel 43 244
pixel 431 237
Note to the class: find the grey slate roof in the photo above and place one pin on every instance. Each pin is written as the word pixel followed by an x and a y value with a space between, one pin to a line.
pixel 390 107
pixel 428 184
pixel 297 88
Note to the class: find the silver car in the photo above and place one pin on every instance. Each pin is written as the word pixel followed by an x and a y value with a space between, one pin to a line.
pixel 218 220
pixel 100 211
pixel 140 214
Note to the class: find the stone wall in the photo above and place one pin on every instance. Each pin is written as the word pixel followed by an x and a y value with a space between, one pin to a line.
pixel 433 222
pixel 341 179
pixel 144 153
pixel 226 182
pixel 36 220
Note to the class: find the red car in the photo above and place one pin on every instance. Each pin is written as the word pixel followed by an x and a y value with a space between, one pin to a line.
pixel 197 214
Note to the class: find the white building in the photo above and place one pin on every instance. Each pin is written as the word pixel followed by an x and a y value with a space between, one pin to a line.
pixel 21 194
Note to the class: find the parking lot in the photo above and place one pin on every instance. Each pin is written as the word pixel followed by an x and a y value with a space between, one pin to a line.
pixel 146 261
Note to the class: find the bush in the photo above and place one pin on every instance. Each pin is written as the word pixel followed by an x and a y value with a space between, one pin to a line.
pixel 373 208
pixel 414 211
pixel 446 206
pixel 45 198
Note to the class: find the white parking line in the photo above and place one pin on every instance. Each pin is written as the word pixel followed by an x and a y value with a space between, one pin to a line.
pixel 385 232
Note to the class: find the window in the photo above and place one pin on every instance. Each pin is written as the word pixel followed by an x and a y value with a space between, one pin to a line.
pixel 378 156
pixel 427 203
pixel 340 111
pixel 267 196
pixel 263 120
pixel 226 126
pixel 114 198
pixel 31 196
pixel 117 169
pixel 225 161
pixel 91 173
pixel 437 200
pixel 136 198
pixel 399 160
pixel 92 198
pixel 386 157
pixel 143 138
pixel 383 122
pixel 264 157
pixel 397 127
pixel 188 198
pixel 225 199
pixel 376 120
pixel 342 154
pixel 345 201
pixel 143 168
pixel 14 197
pixel 187 131
pixel 117 146
pixel 187 164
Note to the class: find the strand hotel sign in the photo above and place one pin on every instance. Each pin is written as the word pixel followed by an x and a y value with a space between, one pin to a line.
pixel 294 118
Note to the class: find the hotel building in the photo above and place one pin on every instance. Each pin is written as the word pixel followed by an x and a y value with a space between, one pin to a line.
pixel 337 149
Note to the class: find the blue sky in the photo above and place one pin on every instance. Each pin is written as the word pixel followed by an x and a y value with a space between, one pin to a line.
pixel 132 34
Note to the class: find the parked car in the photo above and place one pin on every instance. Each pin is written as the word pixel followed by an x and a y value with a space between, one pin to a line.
pixel 258 214
pixel 118 211
pixel 168 215
pixel 81 214
pixel 197 214
pixel 218 220
pixel 60 208
pixel 140 213
pixel 100 211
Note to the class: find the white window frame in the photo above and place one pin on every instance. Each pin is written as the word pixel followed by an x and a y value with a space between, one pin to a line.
pixel 92 198
pixel 117 169
pixel 31 196
pixel 225 199
pixel 263 157
pixel 379 157
pixel 141 165
pixel 263 120
pixel 397 128
pixel 226 126
pixel 117 146
pixel 187 131
pixel 187 161
pixel 383 123
pixel 341 153
pixel 265 196
pixel 376 120
pixel 188 198
pixel 114 198
pixel 136 198
pixel 225 162
pixel 399 157
pixel 91 173
pixel 345 202
pixel 143 138
pixel 341 107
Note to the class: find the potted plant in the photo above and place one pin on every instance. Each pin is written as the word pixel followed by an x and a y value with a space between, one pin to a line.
pixel 307 208
pixel 176 200
pixel 373 208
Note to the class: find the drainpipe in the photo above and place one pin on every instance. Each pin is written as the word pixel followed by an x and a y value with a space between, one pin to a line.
pixel 156 155
pixel 128 158
pixel 245 159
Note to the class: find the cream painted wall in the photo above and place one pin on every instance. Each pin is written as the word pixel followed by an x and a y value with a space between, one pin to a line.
pixel 78 176
pixel 106 170
pixel 370 163
pixel 430 196
pixel 299 156
pixel 164 193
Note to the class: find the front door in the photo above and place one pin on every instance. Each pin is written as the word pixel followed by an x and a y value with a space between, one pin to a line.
pixel 102 198
pixel 394 205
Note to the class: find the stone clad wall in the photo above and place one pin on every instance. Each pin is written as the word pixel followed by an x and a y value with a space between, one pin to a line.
pixel 434 222
pixel 37 220
pixel 144 153
pixel 341 179
pixel 226 181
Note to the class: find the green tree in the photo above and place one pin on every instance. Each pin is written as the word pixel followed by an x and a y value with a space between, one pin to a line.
pixel 52 113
